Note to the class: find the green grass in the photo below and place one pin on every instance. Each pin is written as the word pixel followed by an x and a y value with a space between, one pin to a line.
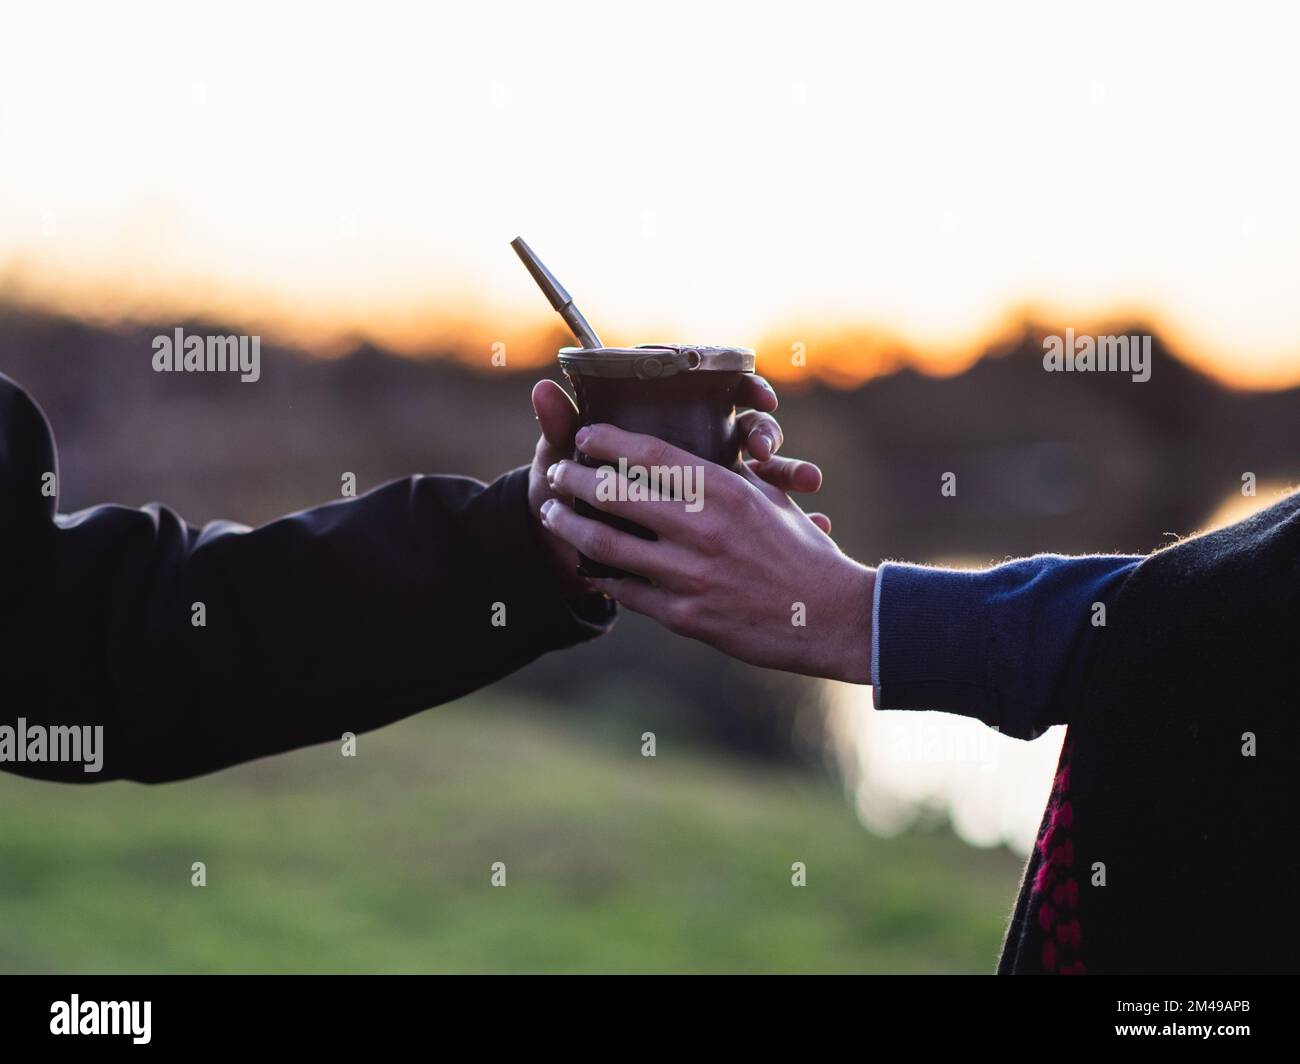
pixel 381 863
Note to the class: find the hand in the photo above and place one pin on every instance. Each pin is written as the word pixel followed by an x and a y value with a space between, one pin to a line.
pixel 558 418
pixel 748 572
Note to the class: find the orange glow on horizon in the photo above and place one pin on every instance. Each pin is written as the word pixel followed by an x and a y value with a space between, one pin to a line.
pixel 841 356
pixel 888 185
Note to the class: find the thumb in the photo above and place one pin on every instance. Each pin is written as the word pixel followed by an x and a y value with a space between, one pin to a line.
pixel 556 415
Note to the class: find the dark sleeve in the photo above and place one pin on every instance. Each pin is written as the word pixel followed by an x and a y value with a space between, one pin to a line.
pixel 1007 645
pixel 337 619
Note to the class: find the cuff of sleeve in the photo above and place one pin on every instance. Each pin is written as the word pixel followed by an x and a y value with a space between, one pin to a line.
pixel 875 630
pixel 930 642
pixel 526 571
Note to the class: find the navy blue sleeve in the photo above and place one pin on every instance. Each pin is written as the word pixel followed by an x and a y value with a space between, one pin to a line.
pixel 1006 645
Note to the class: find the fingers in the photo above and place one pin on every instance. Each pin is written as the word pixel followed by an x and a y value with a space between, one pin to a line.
pixel 556 415
pixel 638 596
pixel 655 559
pixel 756 392
pixel 761 432
pixel 789 474
pixel 663 507
pixel 608 444
pixel 777 477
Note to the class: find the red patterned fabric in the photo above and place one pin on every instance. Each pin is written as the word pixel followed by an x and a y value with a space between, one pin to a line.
pixel 1054 902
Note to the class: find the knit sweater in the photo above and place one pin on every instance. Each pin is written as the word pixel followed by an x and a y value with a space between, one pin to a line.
pixel 1167 845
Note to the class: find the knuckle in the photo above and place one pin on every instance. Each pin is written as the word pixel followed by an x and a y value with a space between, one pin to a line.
pixel 595 442
pixel 712 538
pixel 598 542
pixel 657 452
pixel 728 489
pixel 750 502
pixel 787 472
pixel 696 579
pixel 574 479
pixel 679 616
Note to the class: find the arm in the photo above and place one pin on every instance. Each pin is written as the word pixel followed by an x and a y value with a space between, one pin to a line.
pixel 746 570
pixel 341 618
pixel 750 574
pixel 194 649
pixel 1007 645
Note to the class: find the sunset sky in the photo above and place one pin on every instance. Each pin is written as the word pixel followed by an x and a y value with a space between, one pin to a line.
pixel 747 173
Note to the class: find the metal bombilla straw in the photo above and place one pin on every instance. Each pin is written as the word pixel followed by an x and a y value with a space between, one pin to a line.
pixel 557 294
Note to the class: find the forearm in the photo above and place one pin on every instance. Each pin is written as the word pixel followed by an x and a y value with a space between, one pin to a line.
pixel 197 650
pixel 1007 645
pixel 413 595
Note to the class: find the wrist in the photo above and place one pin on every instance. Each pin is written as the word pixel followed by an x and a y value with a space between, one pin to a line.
pixel 851 649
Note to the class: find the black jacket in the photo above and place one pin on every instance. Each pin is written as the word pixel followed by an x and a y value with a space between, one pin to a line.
pixel 1183 770
pixel 337 619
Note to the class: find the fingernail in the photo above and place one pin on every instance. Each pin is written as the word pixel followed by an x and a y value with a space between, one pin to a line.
pixel 547 507
pixel 584 434
pixel 550 474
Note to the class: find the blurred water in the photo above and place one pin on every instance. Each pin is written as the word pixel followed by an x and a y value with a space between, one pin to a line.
pixel 905 767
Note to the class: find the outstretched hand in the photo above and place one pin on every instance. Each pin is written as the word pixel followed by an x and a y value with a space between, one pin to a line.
pixel 558 419
pixel 746 571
